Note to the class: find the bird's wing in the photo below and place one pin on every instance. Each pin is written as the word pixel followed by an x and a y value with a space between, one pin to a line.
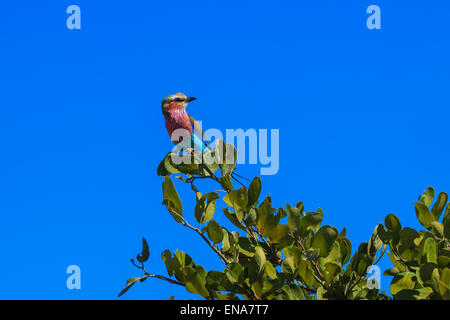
pixel 198 129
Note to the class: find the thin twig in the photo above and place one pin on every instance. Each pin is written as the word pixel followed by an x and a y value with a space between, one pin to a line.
pixel 272 252
pixel 278 261
pixel 313 263
pixel 193 178
pixel 350 289
pixel 165 279
pixel 205 166
pixel 186 224
pixel 383 250
pixel 306 287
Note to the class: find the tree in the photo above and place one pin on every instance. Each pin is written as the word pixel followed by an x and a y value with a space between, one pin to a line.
pixel 287 253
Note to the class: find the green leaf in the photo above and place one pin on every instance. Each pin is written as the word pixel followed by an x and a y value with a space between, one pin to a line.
pixel 321 293
pixel 165 167
pixel 391 272
pixel 288 266
pixel 384 235
pixel 194 282
pixel 257 287
pixel 250 219
pixel 234 273
pixel 172 200
pixel 294 216
pixel 444 257
pixel 226 155
pixel 424 215
pixel 254 191
pixel 417 294
pixel 238 199
pixel 246 247
pixel 429 275
pixel 396 262
pixel 401 282
pixel 311 221
pixel 260 259
pixel 166 256
pixel 270 270
pixel 444 284
pixel 447 229
pixel 215 280
pixel 225 182
pixel 282 213
pixel 361 260
pixel 130 283
pixel 215 232
pixel 266 221
pixel 427 197
pixel 331 269
pixel 187 168
pixel 206 207
pixel 281 236
pixel 407 239
pixel 175 263
pixel 437 228
pixel 142 257
pixel 311 254
pixel 439 206
pixel 446 217
pixel 346 249
pixel 292 292
pixel 324 239
pixel 183 258
pixel 209 160
pixel 200 208
pixel 225 241
pixel 430 250
pixel 392 223
pixel 233 219
pixel 335 255
pixel 375 243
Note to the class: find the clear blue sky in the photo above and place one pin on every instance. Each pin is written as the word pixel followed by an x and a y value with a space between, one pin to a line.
pixel 363 118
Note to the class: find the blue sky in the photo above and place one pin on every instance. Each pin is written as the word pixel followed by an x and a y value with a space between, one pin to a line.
pixel 363 119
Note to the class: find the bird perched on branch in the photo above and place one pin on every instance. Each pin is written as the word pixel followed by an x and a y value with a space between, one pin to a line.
pixel 184 131
pixel 179 124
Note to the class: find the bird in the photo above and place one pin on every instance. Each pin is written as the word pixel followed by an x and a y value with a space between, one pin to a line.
pixel 174 111
pixel 192 138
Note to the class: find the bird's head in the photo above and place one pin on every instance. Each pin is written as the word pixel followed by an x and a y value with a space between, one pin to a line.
pixel 175 101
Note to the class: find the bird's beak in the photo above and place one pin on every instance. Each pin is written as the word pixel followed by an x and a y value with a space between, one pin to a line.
pixel 189 99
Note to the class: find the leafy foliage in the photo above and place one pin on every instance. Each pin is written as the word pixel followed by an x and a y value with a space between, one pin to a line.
pixel 288 253
pixel 421 259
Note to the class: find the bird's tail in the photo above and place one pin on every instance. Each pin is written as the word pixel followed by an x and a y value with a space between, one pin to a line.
pixel 234 174
pixel 200 147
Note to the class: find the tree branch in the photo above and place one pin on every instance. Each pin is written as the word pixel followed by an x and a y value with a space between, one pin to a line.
pixel 186 224
pixel 313 263
pixel 312 290
pixel 165 279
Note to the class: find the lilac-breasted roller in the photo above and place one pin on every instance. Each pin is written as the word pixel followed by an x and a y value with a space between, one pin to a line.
pixel 174 111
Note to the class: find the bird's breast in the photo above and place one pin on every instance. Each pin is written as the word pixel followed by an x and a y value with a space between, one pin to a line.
pixel 177 119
